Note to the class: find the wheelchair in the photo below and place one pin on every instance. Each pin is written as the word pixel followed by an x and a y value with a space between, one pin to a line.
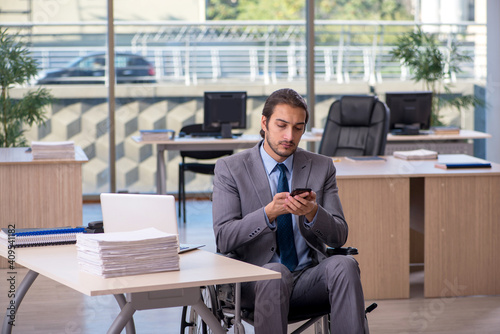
pixel 220 300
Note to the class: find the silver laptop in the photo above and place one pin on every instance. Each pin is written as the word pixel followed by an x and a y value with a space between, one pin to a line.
pixel 130 212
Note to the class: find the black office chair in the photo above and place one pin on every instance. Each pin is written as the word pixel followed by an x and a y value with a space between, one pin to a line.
pixel 194 167
pixel 220 300
pixel 356 125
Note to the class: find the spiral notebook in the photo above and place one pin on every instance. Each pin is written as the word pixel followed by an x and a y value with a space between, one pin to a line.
pixel 32 237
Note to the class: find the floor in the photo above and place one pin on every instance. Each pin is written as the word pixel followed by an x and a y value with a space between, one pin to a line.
pixel 52 308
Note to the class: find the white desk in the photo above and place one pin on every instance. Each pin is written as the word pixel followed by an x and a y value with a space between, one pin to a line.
pixel 201 144
pixel 444 144
pixel 159 290
pixel 457 210
pixel 441 143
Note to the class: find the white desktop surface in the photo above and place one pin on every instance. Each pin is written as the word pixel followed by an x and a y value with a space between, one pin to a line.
pixel 198 268
pixel 211 143
pixel 464 134
pixel 189 140
pixel 395 167
pixel 202 144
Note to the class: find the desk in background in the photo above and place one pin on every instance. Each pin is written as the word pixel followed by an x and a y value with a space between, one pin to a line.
pixel 202 144
pixel 158 290
pixel 458 211
pixel 39 193
pixel 443 144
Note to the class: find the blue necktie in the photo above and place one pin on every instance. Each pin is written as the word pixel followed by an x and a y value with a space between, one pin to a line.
pixel 286 244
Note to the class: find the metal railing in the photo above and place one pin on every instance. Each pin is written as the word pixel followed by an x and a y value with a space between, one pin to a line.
pixel 265 51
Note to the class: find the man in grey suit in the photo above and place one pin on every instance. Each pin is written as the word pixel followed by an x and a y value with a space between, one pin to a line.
pixel 256 220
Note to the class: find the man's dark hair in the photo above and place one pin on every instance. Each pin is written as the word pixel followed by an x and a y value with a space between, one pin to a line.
pixel 283 96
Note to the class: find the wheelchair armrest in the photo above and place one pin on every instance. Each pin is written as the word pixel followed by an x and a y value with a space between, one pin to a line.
pixel 330 251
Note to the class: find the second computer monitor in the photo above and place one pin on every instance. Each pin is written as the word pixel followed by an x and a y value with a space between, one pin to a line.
pixel 410 111
pixel 224 111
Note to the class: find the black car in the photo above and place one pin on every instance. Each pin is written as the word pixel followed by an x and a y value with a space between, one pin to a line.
pixel 91 69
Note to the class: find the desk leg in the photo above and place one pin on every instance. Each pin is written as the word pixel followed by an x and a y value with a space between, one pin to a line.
pixel 122 319
pixel 238 326
pixel 20 293
pixel 161 173
pixel 130 327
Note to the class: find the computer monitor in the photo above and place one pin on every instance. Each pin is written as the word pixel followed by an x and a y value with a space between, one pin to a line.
pixel 224 111
pixel 410 111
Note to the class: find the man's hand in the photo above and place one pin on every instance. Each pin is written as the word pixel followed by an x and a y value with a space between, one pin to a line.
pixel 302 205
pixel 277 206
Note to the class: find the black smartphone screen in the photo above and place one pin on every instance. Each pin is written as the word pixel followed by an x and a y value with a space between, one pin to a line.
pixel 298 191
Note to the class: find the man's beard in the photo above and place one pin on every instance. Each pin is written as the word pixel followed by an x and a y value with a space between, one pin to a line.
pixel 278 153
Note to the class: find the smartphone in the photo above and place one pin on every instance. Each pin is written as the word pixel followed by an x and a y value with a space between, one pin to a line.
pixel 298 191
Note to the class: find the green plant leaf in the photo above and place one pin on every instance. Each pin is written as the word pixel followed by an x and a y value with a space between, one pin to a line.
pixel 17 67
pixel 431 62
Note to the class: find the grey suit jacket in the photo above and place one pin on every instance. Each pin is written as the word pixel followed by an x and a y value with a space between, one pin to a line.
pixel 241 191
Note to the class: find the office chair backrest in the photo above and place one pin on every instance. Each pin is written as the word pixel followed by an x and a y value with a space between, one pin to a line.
pixel 198 128
pixel 356 125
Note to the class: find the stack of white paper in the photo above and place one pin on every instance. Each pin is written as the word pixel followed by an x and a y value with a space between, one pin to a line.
pixel 421 154
pixel 128 253
pixel 53 150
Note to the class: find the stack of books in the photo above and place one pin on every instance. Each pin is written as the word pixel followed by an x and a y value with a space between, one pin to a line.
pixel 128 253
pixel 446 130
pixel 421 154
pixel 459 165
pixel 32 237
pixel 461 161
pixel 159 134
pixel 53 150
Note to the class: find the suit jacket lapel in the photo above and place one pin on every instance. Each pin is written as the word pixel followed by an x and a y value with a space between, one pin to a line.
pixel 257 173
pixel 301 170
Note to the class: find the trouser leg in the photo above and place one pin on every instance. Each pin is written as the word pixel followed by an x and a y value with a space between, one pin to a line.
pixel 334 282
pixel 270 300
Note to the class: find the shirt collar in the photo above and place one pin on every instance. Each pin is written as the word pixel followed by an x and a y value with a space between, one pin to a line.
pixel 270 163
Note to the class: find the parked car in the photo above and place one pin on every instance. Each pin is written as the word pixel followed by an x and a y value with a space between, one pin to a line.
pixel 91 69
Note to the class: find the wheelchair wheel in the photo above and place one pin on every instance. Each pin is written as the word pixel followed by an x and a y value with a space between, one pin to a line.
pixel 191 322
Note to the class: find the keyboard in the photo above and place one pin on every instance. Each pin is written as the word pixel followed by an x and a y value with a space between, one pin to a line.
pixel 401 132
pixel 188 247
pixel 210 134
pixel 205 134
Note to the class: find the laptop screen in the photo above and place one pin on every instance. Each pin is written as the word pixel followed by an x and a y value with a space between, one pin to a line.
pixel 129 212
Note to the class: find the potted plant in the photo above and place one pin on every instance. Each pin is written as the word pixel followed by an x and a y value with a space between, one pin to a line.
pixel 18 68
pixel 428 63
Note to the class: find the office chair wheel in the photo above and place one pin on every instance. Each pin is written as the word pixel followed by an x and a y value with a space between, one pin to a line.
pixel 191 322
